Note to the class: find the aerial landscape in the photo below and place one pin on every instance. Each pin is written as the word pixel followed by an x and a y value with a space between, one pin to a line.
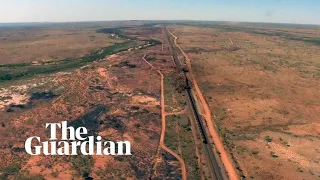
pixel 196 100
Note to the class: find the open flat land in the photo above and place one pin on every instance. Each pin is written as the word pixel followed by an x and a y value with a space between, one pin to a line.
pixel 130 81
pixel 47 43
pixel 262 83
pixel 112 92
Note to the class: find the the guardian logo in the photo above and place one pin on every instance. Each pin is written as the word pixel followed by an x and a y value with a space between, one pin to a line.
pixel 74 142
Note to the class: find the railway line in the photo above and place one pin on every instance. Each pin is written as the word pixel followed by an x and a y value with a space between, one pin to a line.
pixel 214 166
pixel 212 161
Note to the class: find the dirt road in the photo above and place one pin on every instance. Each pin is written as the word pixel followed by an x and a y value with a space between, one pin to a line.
pixel 163 129
pixel 207 115
pixel 231 41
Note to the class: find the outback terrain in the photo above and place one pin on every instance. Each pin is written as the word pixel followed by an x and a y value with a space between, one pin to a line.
pixel 114 91
pixel 197 100
pixel 262 84
pixel 45 44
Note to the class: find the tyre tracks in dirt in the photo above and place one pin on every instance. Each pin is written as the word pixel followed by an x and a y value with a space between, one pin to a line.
pixel 163 125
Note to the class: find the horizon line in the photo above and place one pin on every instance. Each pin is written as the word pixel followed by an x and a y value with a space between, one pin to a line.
pixel 88 21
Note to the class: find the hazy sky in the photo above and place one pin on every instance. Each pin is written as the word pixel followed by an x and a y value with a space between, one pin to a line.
pixel 287 11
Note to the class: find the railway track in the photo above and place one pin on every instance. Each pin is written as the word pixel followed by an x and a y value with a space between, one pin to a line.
pixel 174 53
pixel 212 161
pixel 211 157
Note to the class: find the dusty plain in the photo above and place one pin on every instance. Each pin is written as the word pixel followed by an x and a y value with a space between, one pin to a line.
pixel 116 97
pixel 262 82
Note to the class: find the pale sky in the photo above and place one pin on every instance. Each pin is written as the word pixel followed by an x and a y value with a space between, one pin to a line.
pixel 282 11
